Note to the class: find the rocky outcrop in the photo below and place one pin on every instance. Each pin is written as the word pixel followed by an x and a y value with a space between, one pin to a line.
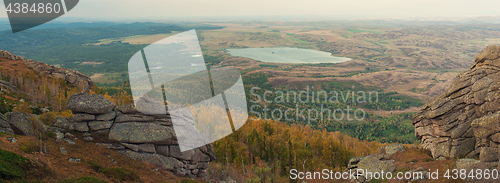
pixel 6 87
pixel 464 119
pixel 4 125
pixel 9 55
pixel 149 138
pixel 24 124
pixel 374 163
pixel 91 104
pixel 79 79
pixel 76 78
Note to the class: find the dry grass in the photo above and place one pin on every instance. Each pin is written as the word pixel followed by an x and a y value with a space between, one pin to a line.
pixel 413 158
pixel 63 169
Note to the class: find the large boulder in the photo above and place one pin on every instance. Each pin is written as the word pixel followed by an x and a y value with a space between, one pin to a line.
pixel 89 103
pixel 462 119
pixel 24 124
pixel 474 165
pixel 4 125
pixel 391 149
pixel 134 118
pixel 64 123
pixel 137 133
pixel 376 163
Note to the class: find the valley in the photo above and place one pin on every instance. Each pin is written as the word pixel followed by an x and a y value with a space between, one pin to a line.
pixel 407 66
pixel 404 64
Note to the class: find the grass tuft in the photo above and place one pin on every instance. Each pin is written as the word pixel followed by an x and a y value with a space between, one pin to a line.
pixel 85 179
pixel 120 174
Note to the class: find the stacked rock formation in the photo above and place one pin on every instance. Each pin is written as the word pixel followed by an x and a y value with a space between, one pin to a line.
pixel 464 121
pixel 149 138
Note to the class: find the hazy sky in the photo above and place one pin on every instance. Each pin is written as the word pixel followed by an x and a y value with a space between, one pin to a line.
pixel 329 8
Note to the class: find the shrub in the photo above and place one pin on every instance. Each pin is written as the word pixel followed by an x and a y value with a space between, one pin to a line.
pixel 11 165
pixel 94 166
pixel 120 174
pixel 428 159
pixel 85 179
pixel 48 117
pixel 29 147
pixel 191 181
pixel 51 134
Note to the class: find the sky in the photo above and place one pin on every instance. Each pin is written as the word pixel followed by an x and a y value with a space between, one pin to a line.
pixel 171 9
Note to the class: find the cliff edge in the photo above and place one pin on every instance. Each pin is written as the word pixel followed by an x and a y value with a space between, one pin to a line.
pixel 464 121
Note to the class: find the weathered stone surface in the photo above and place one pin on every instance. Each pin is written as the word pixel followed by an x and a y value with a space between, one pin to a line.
pixel 373 163
pixel 7 130
pixel 5 126
pixel 466 163
pixel 82 127
pixel 391 149
pixel 90 103
pixel 11 139
pixel 4 123
pixel 194 155
pixel 111 146
pixel 24 124
pixel 163 150
pixel 443 149
pixel 88 139
pixel 486 126
pixel 59 136
pixel 443 109
pixel 147 137
pixel 461 147
pixel 100 125
pixel 488 154
pixel 466 116
pixel 127 109
pixel 202 165
pixel 134 132
pixel 207 149
pixel 175 151
pixel 83 82
pixel 9 55
pixel 472 164
pixel 82 117
pixel 459 130
pixel 133 147
pixel 106 117
pixel 199 157
pixel 64 123
pixel 488 56
pixel 167 163
pixel 482 84
pixel 150 106
pixel 149 148
pixel 134 118
pixel 495 137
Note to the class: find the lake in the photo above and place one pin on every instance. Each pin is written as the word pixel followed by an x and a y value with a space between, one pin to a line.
pixel 287 55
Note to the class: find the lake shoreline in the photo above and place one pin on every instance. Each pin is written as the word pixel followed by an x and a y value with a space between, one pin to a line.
pixel 287 55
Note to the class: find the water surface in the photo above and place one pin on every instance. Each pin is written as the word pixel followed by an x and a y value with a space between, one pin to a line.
pixel 287 55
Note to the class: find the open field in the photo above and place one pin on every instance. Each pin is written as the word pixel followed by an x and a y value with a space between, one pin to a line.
pixel 419 62
pixel 137 39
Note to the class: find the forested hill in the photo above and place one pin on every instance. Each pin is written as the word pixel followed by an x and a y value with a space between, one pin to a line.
pixel 70 47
